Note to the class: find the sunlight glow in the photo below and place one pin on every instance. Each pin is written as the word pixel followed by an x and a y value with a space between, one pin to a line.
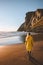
pixel 8 29
pixel 2 46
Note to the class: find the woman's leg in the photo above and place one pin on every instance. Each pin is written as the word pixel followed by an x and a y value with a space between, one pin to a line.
pixel 29 54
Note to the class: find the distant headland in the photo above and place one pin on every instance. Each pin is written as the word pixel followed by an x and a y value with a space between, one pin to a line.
pixel 33 21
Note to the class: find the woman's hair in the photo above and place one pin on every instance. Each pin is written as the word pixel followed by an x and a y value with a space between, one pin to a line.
pixel 28 33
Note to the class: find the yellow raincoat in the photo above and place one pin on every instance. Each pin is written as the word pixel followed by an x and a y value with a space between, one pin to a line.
pixel 29 43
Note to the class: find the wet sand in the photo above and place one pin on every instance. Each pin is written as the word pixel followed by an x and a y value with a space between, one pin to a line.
pixel 17 55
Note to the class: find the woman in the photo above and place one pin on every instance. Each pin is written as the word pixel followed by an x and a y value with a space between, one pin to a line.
pixel 29 44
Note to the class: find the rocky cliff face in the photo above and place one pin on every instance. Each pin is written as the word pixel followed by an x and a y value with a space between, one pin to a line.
pixel 33 21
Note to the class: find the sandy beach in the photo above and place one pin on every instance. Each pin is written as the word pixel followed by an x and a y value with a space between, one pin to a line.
pixel 17 55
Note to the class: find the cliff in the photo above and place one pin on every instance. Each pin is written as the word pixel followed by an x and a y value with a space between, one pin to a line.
pixel 33 21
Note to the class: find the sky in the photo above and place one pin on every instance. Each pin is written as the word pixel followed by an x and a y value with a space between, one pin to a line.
pixel 13 12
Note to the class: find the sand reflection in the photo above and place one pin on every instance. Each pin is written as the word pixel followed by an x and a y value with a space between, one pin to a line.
pixel 4 51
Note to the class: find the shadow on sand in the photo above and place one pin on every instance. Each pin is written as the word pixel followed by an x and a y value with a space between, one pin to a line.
pixel 34 61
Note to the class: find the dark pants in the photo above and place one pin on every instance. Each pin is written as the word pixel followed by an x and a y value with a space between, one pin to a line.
pixel 29 54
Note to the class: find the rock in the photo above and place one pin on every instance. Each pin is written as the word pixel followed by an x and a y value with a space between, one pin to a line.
pixel 32 21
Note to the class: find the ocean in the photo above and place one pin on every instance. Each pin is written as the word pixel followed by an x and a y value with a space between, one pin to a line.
pixel 8 38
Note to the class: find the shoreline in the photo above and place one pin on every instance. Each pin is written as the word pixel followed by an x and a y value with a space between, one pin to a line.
pixel 16 54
